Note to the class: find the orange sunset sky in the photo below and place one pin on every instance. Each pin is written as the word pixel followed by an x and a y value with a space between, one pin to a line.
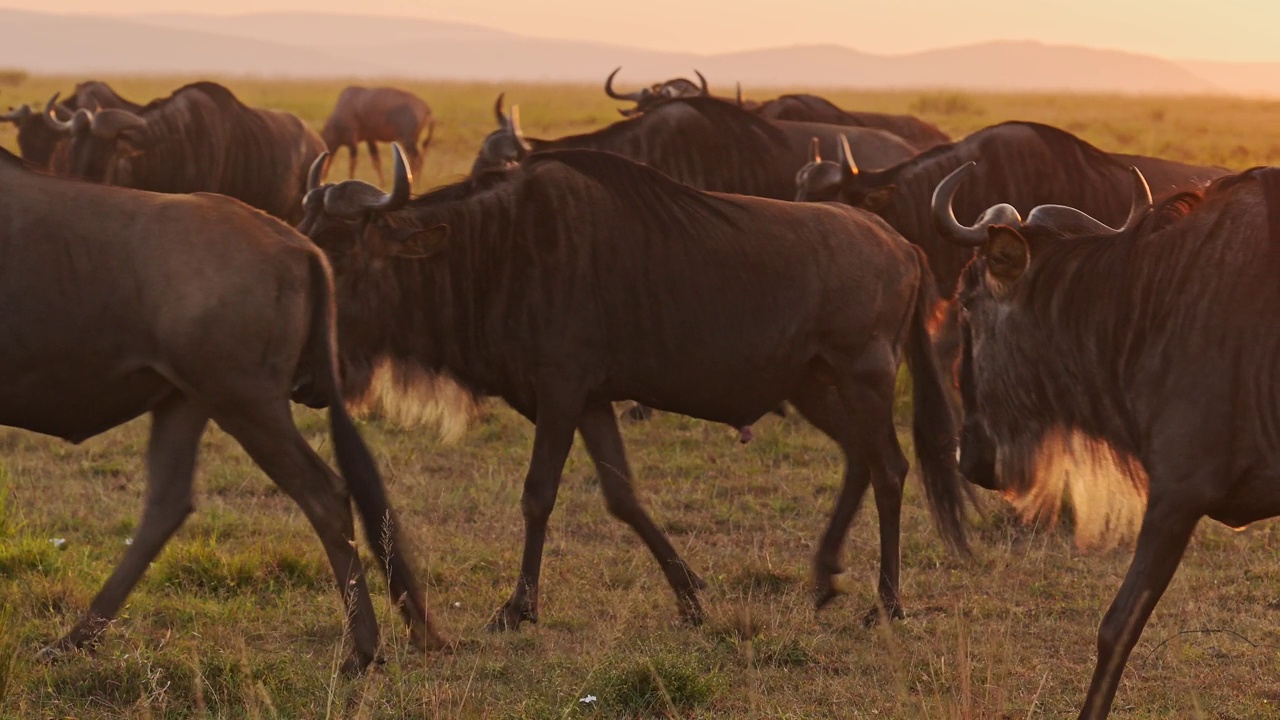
pixel 1246 30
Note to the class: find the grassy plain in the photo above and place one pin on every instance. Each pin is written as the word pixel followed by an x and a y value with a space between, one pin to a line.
pixel 237 618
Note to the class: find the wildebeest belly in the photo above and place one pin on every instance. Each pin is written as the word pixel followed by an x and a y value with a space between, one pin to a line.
pixel 72 399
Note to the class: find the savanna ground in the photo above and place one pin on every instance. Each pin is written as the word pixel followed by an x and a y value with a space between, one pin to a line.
pixel 238 617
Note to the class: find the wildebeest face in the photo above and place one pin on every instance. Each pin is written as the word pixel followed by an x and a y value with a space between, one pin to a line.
pixel 504 146
pixel 988 288
pixel 983 294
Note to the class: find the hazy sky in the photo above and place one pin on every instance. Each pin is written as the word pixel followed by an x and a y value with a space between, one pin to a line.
pixel 1199 29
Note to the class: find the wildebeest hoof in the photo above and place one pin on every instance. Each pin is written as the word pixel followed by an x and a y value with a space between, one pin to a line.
pixel 509 617
pixel 691 613
pixel 54 652
pixel 637 413
pixel 357 662
pixel 428 640
pixel 876 614
pixel 824 593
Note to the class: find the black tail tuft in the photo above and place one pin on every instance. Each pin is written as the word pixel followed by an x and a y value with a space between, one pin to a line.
pixel 933 426
pixel 355 462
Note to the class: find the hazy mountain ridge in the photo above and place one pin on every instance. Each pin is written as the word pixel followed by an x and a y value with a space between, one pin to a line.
pixel 320 45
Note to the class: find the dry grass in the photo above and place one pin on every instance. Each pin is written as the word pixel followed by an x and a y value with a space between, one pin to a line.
pixel 237 618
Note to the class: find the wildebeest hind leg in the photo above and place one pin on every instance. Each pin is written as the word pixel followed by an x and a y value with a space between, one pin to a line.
pixel 600 433
pixel 266 431
pixel 552 439
pixel 1166 529
pixel 176 428
pixel 820 405
pixel 867 393
pixel 375 160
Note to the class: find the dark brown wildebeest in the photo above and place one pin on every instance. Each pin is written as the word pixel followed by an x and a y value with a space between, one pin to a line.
pixel 1024 164
pixel 1156 342
pixel 812 108
pixel 200 138
pixel 189 308
pixel 45 148
pixel 579 278
pixel 703 142
pixel 379 114
pixel 646 98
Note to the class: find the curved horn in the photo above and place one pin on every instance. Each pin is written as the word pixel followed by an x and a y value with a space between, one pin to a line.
pixel 16 115
pixel 109 123
pixel 399 194
pixel 608 89
pixel 317 172
pixel 517 132
pixel 814 155
pixel 51 116
pixel 846 157
pixel 1071 221
pixel 1142 202
pixel 705 91
pixel 497 110
pixel 944 216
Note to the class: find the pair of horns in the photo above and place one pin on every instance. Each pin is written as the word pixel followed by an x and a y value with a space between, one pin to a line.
pixel 105 124
pixel 640 95
pixel 355 204
pixel 846 155
pixel 1058 217
pixel 510 121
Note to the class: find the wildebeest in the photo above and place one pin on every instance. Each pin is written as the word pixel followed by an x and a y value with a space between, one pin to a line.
pixel 646 98
pixel 812 108
pixel 39 143
pixel 1024 164
pixel 189 308
pixel 1156 341
pixel 379 114
pixel 200 138
pixel 579 278
pixel 703 142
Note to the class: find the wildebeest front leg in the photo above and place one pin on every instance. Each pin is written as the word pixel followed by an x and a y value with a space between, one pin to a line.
pixel 1166 529
pixel 176 427
pixel 599 431
pixel 352 151
pixel 376 160
pixel 552 439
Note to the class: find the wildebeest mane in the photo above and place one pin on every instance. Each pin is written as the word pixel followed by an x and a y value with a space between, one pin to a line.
pixel 664 201
pixel 704 142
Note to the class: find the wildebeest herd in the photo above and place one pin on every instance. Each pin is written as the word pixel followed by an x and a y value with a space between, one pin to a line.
pixel 699 257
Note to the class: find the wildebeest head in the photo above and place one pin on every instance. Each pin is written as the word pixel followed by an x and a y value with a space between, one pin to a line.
pixel 504 146
pixel 843 181
pixel 98 137
pixel 820 179
pixel 646 98
pixel 1006 248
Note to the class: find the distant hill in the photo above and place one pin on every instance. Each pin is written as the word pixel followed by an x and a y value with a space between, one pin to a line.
pixel 320 45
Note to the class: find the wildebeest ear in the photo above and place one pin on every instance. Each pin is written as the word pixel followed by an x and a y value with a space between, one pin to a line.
pixel 1006 252
pixel 876 200
pixel 418 243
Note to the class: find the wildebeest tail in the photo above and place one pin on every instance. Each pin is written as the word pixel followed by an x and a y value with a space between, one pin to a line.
pixel 933 427
pixel 356 463
pixel 431 131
